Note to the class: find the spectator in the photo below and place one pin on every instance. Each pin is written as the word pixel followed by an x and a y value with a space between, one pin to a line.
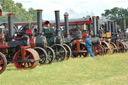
pixel 88 45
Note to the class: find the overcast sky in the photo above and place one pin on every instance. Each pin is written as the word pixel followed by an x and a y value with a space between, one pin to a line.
pixel 75 8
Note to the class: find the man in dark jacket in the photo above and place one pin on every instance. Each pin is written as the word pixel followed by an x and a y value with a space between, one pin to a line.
pixel 88 45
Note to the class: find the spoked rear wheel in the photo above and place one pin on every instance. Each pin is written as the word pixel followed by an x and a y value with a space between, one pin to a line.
pixel 51 55
pixel 79 53
pixel 29 61
pixel 74 48
pixel 82 47
pixel 60 52
pixel 68 49
pixel 106 47
pixel 120 46
pixel 115 47
pixel 98 50
pixel 42 54
pixel 3 63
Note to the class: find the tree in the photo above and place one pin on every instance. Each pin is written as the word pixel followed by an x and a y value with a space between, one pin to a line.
pixel 19 5
pixel 33 13
pixel 117 14
pixel 17 8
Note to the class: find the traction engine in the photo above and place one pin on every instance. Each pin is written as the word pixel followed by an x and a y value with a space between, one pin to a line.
pixel 16 50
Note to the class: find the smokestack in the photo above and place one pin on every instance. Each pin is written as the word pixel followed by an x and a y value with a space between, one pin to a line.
pixel 112 29
pixel 124 24
pixel 94 26
pixel 106 27
pixel 39 20
pixel 115 27
pixel 109 26
pixel 10 25
pixel 89 29
pixel 66 19
pixel 57 18
pixel 97 24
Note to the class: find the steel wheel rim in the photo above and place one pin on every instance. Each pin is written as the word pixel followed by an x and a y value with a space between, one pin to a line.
pixel 42 54
pixel 60 52
pixel 51 55
pixel 68 49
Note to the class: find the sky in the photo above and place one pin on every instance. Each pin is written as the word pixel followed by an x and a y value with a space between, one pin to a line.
pixel 75 8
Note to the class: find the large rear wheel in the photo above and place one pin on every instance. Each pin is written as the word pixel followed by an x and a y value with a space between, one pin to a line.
pixel 60 52
pixel 79 53
pixel 106 46
pixel 42 54
pixel 82 47
pixel 68 49
pixel 98 50
pixel 51 55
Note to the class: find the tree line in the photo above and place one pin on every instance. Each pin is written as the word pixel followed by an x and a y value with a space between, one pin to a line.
pixel 21 14
pixel 117 14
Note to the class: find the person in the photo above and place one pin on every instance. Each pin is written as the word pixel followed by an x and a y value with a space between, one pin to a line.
pixel 88 45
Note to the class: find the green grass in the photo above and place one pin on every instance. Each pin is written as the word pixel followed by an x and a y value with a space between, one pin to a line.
pixel 102 70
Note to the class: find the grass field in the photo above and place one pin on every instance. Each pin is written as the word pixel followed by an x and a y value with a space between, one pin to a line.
pixel 102 70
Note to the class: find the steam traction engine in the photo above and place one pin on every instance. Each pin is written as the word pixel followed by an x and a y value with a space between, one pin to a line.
pixel 75 33
pixel 16 50
pixel 54 38
pixel 47 54
pixel 37 40
pixel 103 32
pixel 95 38
pixel 120 37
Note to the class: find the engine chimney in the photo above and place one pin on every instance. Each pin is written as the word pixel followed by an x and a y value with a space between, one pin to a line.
pixel 66 19
pixel 94 26
pixel 115 27
pixel 10 25
pixel 89 29
pixel 39 20
pixel 97 24
pixel 112 29
pixel 57 18
pixel 109 26
pixel 106 27
pixel 124 24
